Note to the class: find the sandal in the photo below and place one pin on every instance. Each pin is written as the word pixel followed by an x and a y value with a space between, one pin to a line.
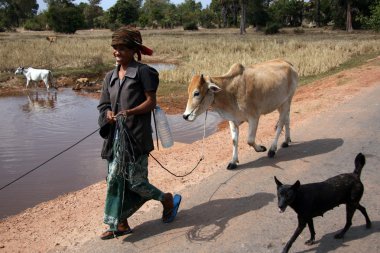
pixel 114 234
pixel 169 215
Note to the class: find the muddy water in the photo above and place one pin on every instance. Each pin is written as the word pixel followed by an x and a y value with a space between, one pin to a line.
pixel 39 125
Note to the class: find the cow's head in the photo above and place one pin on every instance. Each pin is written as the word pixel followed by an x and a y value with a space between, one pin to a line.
pixel 19 70
pixel 201 95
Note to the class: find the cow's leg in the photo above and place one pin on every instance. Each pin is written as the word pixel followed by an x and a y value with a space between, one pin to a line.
pixel 235 141
pixel 285 144
pixel 46 84
pixel 253 123
pixel 27 83
pixel 283 111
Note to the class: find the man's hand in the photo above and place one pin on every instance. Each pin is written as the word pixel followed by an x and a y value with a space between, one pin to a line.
pixel 111 116
pixel 122 113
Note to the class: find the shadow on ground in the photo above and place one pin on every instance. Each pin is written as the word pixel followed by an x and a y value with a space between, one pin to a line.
pixel 295 151
pixel 329 244
pixel 206 221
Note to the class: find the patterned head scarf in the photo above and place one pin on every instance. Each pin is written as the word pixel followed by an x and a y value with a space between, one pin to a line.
pixel 131 37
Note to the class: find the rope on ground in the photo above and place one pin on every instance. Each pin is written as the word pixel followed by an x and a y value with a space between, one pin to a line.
pixel 30 171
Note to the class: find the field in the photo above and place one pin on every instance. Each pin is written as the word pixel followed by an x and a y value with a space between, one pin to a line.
pixel 314 52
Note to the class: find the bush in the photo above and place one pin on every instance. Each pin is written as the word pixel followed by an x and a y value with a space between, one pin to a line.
pixel 190 26
pixel 33 25
pixel 272 28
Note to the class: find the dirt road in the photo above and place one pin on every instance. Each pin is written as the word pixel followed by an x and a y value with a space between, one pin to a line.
pixel 235 211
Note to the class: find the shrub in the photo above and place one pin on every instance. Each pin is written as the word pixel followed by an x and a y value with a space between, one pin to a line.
pixel 190 26
pixel 272 28
pixel 33 25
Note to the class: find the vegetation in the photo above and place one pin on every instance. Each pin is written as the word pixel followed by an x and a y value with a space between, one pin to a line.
pixel 67 17
pixel 204 51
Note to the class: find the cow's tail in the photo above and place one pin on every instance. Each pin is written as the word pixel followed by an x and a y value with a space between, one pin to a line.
pixel 359 164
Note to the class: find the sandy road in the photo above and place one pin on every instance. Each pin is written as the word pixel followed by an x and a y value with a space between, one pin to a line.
pixel 234 211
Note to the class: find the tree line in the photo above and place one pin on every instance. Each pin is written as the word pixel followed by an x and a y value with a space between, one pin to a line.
pixel 65 16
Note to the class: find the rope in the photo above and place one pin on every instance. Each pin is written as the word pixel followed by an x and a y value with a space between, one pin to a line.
pixel 30 171
pixel 200 159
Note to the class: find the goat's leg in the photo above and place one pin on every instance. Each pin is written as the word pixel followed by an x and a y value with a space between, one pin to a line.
pixel 234 127
pixel 253 123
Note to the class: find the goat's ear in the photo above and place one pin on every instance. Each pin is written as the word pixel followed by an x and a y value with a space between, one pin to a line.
pixel 278 183
pixel 296 185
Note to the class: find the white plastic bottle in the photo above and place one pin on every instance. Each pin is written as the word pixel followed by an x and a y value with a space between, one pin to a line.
pixel 163 128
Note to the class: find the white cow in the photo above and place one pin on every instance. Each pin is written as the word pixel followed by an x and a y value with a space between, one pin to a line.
pixel 32 74
pixel 242 95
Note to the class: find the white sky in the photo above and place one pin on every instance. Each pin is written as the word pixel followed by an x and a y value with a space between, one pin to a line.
pixel 105 4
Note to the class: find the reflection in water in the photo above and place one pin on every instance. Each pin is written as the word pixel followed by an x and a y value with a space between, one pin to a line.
pixel 38 101
pixel 44 125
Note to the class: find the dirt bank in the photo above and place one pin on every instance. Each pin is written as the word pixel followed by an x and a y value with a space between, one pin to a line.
pixel 72 219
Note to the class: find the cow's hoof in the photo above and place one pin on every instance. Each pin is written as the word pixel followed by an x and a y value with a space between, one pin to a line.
pixel 285 145
pixel 231 166
pixel 261 149
pixel 271 153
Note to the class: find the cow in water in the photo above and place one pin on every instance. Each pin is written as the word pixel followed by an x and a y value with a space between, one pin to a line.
pixel 242 95
pixel 32 74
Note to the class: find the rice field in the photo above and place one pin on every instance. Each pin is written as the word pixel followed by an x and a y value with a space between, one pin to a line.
pixel 210 52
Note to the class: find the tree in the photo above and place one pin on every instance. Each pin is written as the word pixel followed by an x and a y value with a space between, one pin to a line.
pixel 286 12
pixel 258 13
pixel 372 21
pixel 15 12
pixel 64 16
pixel 159 13
pixel 243 10
pixel 91 11
pixel 124 12
pixel 346 11
pixel 190 12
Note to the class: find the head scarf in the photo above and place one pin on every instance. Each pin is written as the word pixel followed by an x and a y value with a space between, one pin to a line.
pixel 131 37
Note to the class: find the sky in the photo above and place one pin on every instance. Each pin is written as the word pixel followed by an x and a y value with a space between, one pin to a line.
pixel 105 4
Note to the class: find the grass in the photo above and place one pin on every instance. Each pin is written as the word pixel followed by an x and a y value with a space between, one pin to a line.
pixel 315 53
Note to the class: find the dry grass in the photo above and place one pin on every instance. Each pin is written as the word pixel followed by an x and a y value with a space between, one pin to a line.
pixel 211 52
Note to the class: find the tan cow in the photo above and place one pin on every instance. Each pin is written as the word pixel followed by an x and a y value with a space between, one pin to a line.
pixel 51 39
pixel 242 95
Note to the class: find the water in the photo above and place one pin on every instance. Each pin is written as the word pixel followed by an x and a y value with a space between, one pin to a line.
pixel 37 126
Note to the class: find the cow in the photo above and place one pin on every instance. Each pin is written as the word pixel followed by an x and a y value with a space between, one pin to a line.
pixel 51 39
pixel 32 74
pixel 242 95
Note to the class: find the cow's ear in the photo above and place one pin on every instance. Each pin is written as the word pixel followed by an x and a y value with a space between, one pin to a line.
pixel 214 88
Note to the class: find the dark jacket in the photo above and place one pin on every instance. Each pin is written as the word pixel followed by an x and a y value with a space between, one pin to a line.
pixel 138 79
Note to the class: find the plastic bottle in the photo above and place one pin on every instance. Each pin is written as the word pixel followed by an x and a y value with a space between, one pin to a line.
pixel 163 128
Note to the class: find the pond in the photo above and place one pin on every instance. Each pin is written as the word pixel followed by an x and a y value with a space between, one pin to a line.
pixel 39 125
